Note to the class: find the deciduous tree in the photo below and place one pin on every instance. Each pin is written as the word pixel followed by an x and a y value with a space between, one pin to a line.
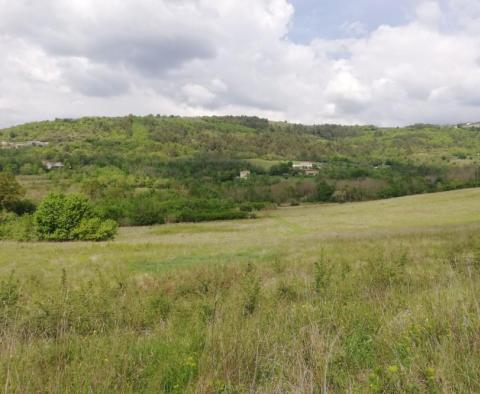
pixel 10 190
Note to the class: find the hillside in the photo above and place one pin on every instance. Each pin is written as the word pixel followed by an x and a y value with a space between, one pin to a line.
pixel 169 137
pixel 370 297
pixel 187 169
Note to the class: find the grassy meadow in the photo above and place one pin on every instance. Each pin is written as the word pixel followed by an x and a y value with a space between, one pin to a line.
pixel 378 296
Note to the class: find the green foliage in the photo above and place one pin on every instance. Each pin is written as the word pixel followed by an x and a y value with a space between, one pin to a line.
pixel 324 191
pixel 22 207
pixel 281 169
pixel 116 160
pixel 183 309
pixel 10 190
pixel 63 217
pixel 95 229
pixel 18 228
pixel 59 215
pixel 151 208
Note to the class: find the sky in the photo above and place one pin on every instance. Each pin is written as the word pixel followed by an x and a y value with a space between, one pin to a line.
pixel 379 62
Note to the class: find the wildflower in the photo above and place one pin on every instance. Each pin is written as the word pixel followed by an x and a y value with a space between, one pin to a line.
pixel 190 362
pixel 392 369
pixel 430 373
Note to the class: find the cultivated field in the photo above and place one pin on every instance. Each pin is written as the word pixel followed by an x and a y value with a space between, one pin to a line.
pixel 367 297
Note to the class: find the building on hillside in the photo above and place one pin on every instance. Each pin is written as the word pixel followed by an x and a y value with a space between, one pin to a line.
pixel 382 166
pixel 312 172
pixel 245 174
pixel 26 144
pixel 37 143
pixel 5 145
pixel 471 125
pixel 308 168
pixel 52 165
pixel 303 165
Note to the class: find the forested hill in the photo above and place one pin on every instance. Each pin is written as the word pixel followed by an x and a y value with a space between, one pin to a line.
pixel 199 159
pixel 96 140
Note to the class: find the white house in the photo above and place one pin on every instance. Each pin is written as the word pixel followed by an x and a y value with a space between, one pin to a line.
pixel 245 174
pixel 37 143
pixel 51 165
pixel 472 125
pixel 304 165
pixel 17 145
pixel 5 144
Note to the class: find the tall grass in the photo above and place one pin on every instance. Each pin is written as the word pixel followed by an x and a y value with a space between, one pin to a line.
pixel 364 315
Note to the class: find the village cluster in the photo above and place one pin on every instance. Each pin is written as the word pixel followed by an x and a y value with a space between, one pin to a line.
pixel 47 164
pixel 308 168
pixel 17 145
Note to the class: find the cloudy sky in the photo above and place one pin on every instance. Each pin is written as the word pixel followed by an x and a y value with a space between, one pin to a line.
pixel 343 61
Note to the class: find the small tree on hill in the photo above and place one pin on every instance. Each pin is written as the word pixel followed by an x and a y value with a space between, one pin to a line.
pixel 324 191
pixel 10 190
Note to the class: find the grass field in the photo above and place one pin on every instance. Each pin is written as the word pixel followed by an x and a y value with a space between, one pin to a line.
pixel 37 187
pixel 379 296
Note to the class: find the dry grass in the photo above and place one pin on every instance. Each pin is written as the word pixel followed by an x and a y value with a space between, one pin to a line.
pixel 38 186
pixel 369 297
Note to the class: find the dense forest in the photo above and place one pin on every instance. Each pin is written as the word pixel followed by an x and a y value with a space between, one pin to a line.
pixel 158 169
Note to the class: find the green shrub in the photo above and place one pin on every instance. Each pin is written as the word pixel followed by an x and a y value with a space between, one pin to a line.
pixel 10 190
pixel 70 217
pixel 324 191
pixel 5 221
pixel 94 229
pixel 17 228
pixel 59 215
pixel 152 208
pixel 21 207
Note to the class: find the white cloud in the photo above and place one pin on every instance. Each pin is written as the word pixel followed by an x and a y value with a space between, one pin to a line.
pixel 85 57
pixel 197 94
pixel 346 91
pixel 467 14
pixel 428 13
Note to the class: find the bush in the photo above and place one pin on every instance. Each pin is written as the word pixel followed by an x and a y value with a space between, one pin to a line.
pixel 17 228
pixel 70 217
pixel 281 169
pixel 21 207
pixel 145 210
pixel 94 229
pixel 324 191
pixel 10 190
pixel 151 208
pixel 58 216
